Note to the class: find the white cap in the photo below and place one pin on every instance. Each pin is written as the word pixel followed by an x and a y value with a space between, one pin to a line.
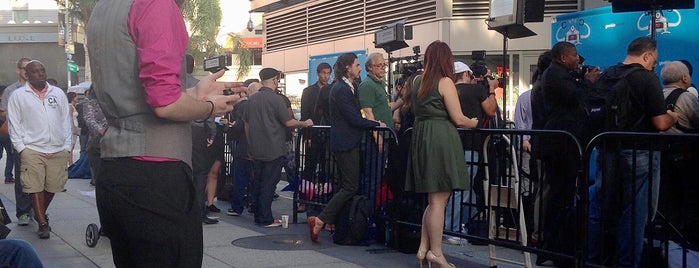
pixel 460 67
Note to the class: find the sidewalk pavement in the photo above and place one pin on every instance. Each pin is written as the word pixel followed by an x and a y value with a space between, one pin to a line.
pixel 233 242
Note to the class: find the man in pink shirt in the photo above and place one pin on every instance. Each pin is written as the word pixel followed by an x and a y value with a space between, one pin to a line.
pixel 145 194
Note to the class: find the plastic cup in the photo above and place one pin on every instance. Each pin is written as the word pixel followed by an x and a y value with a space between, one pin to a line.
pixel 285 221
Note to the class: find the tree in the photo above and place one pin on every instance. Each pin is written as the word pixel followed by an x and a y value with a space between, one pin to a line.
pixel 235 46
pixel 79 9
pixel 204 19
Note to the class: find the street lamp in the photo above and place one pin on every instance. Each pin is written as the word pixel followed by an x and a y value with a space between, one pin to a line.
pixel 251 26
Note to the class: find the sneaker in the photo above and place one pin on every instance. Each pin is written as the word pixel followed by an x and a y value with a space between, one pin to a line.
pixel 9 180
pixel 452 240
pixel 213 208
pixel 275 223
pixel 44 231
pixel 23 220
pixel 232 212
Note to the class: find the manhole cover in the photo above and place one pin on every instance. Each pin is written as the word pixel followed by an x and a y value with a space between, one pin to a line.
pixel 281 242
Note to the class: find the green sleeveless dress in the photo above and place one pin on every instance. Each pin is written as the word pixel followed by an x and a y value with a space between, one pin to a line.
pixel 436 162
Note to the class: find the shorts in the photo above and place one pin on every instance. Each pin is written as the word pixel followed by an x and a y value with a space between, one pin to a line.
pixel 41 173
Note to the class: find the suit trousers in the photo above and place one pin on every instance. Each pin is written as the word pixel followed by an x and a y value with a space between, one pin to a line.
pixel 348 165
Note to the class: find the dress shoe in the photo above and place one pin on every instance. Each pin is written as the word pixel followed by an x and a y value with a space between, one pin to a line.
pixel 207 220
pixel 312 221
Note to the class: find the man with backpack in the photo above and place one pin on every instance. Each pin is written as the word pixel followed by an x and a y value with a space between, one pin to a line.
pixel 621 193
pixel 562 91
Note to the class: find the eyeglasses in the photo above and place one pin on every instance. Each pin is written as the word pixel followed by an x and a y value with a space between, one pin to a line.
pixel 380 65
pixel 21 68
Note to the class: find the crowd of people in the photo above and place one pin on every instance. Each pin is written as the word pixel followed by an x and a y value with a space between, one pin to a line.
pixel 156 142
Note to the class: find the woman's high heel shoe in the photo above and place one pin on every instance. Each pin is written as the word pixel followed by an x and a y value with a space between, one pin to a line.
pixel 420 257
pixel 440 260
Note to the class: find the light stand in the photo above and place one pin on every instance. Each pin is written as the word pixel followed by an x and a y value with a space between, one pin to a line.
pixel 509 32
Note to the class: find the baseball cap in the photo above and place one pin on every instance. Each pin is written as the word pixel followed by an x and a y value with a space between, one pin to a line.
pixel 268 73
pixel 460 67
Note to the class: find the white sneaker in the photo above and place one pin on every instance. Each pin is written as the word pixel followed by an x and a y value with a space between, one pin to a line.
pixel 24 220
pixel 452 240
pixel 275 223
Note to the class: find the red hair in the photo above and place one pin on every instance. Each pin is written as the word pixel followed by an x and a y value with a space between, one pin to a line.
pixel 439 62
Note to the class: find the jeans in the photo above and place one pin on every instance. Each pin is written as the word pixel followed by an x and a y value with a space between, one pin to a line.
pixel 633 206
pixel 9 153
pixel 374 165
pixel 18 253
pixel 23 201
pixel 292 173
pixel 453 218
pixel 675 258
pixel 242 172
pixel 266 176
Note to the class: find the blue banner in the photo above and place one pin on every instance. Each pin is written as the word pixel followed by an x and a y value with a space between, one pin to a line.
pixel 602 36
pixel 316 60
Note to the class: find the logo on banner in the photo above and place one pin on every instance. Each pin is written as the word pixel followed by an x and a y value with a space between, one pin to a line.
pixel 661 22
pixel 573 31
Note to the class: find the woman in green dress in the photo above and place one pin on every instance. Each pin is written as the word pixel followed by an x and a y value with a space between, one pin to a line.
pixel 436 163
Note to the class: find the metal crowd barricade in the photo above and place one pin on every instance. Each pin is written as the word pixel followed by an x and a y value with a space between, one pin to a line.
pixel 642 199
pixel 319 176
pixel 505 205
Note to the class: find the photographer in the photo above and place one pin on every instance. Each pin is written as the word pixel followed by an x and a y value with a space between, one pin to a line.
pixel 562 95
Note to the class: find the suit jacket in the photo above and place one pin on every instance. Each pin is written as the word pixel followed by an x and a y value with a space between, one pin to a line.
pixel 347 124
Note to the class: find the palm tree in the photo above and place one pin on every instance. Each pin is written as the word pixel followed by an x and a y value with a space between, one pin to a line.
pixel 204 20
pixel 234 45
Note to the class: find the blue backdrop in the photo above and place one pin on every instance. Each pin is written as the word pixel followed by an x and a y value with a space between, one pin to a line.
pixel 316 60
pixel 602 36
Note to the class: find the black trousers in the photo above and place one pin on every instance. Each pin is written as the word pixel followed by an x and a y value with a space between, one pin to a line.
pixel 149 212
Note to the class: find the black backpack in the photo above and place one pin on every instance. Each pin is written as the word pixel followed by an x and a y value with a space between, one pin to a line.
pixel 353 222
pixel 607 104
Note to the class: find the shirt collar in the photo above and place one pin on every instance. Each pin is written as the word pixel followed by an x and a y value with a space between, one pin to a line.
pixel 43 90
pixel 348 82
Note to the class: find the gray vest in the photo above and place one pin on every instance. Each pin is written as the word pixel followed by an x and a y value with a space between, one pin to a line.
pixel 134 129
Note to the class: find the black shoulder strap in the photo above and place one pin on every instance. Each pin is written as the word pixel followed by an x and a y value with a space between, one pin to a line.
pixel 672 99
pixel 674 95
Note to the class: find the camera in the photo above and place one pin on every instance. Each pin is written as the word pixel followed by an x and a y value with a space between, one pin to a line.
pixel 409 68
pixel 216 63
pixel 582 70
pixel 409 65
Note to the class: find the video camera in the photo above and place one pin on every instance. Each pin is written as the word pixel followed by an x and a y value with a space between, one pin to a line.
pixel 407 66
pixel 217 63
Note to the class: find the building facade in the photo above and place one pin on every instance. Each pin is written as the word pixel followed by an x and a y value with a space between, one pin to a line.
pixel 295 30
pixel 31 29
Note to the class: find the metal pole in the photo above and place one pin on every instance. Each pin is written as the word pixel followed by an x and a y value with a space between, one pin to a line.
pixel 652 23
pixel 390 79
pixel 505 78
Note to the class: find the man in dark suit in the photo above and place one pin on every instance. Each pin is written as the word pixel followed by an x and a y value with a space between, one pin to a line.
pixel 347 128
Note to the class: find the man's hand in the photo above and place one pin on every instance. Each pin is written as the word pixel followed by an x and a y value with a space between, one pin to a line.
pixel 308 123
pixel 592 74
pixel 223 104
pixel 526 146
pixel 208 86
pixel 675 116
pixel 209 142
